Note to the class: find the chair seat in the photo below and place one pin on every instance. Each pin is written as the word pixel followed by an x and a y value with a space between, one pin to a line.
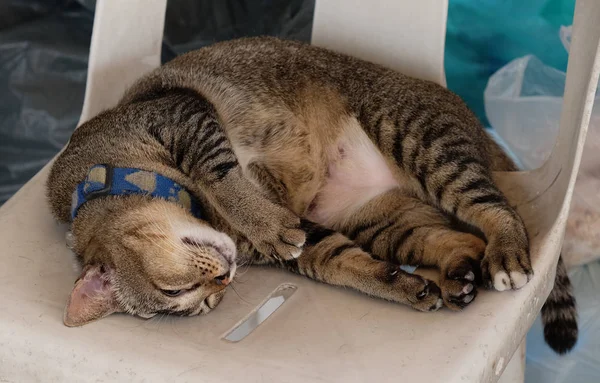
pixel 322 333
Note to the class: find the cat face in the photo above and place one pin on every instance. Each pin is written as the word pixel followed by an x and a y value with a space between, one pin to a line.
pixel 152 259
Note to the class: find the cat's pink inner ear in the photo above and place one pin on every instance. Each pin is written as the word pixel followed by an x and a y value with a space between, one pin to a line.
pixel 92 297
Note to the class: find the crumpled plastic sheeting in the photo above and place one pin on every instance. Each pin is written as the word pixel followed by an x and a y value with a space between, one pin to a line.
pixel 582 365
pixel 43 60
pixel 44 47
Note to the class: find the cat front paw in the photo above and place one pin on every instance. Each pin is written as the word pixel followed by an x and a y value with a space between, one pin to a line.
pixel 276 232
pixel 506 266
pixel 427 295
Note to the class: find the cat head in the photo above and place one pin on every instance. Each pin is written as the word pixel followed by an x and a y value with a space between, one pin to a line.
pixel 144 257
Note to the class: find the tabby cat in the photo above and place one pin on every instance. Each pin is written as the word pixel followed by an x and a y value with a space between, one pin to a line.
pixel 263 151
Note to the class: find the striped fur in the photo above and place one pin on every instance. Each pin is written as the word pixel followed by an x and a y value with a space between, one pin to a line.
pixel 559 313
pixel 329 166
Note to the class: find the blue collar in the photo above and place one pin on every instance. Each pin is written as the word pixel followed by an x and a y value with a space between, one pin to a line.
pixel 105 180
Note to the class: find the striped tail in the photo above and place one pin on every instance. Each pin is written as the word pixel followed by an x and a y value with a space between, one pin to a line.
pixel 559 314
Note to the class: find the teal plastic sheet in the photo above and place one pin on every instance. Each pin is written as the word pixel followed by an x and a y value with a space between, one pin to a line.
pixel 483 35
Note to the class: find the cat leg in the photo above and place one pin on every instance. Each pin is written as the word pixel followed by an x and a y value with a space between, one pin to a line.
pixel 333 258
pixel 448 157
pixel 201 149
pixel 402 229
pixel 473 198
pixel 273 188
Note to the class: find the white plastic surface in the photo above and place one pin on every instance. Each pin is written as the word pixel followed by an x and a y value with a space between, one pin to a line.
pixel 321 333
pixel 405 35
pixel 515 369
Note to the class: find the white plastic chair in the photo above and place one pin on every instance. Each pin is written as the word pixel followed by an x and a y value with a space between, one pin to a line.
pixel 321 333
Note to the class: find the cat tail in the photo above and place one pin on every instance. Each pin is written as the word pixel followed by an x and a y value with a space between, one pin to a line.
pixel 559 314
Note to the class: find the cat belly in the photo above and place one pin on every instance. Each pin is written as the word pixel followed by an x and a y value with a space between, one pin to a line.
pixel 357 172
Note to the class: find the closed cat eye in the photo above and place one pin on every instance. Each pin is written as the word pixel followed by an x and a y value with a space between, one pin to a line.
pixel 172 293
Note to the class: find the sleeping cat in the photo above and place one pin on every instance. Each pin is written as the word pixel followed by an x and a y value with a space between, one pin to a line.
pixel 263 151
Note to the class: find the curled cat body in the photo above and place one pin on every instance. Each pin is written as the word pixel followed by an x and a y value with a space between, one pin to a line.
pixel 322 164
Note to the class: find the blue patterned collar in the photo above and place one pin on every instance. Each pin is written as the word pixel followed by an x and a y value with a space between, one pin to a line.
pixel 104 180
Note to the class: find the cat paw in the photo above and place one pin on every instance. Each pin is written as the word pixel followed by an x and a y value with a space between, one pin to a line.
pixel 277 233
pixel 427 296
pixel 506 267
pixel 400 286
pixel 458 283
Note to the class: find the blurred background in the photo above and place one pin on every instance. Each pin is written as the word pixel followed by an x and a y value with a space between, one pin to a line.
pixel 505 58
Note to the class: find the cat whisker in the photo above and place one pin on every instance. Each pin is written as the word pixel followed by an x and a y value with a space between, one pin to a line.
pixel 238 294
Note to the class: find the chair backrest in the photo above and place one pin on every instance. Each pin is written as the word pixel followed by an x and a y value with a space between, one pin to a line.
pixel 407 36
pixel 124 47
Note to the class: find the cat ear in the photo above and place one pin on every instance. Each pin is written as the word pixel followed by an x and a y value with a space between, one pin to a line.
pixel 92 297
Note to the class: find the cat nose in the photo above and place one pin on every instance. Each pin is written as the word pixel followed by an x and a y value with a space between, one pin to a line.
pixel 223 279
